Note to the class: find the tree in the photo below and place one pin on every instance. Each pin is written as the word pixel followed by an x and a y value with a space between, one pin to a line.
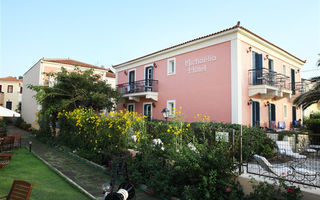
pixel 72 90
pixel 313 95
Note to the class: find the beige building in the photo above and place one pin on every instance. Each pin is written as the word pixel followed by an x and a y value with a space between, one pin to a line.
pixel 10 92
pixel 35 76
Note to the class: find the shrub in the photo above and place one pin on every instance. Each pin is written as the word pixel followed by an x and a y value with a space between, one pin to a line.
pixel 313 124
pixel 265 191
pixel 3 127
pixel 19 122
pixel 94 134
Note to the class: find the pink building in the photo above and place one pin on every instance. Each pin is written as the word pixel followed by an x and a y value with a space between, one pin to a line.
pixel 232 76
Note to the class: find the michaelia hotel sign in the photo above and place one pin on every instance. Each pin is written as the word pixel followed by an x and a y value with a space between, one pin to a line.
pixel 198 64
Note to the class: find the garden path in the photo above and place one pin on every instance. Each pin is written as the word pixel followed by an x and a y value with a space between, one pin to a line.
pixel 87 177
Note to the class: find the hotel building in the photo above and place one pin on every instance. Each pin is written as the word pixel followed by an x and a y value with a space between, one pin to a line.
pixel 232 76
pixel 36 76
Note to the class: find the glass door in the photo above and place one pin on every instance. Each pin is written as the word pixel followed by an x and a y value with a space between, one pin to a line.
pixel 257 68
pixel 293 81
pixel 148 78
pixel 132 77
pixel 147 110
pixel 272 115
pixel 255 113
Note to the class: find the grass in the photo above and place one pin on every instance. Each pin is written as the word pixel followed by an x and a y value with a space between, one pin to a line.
pixel 47 184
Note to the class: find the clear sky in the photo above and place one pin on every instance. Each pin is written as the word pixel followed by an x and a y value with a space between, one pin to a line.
pixel 110 32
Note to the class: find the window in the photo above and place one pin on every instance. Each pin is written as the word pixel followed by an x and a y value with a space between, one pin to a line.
pixel 147 110
pixel 171 104
pixel 171 66
pixel 21 90
pixel 10 89
pixel 285 111
pixel 9 105
pixel 284 70
pixel 131 107
pixel 51 81
pixel 0 88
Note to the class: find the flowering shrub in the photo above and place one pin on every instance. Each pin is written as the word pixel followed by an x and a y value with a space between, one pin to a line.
pixel 265 191
pixel 86 130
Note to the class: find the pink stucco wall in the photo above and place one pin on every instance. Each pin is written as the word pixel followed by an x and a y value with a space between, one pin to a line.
pixel 207 92
pixel 246 59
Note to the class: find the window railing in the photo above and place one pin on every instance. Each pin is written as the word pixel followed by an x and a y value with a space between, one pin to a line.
pixel 139 86
pixel 266 77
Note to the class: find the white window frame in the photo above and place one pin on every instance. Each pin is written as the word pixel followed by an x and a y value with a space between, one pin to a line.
pixel 171 113
pixel 169 67
pixel 144 73
pixel 51 81
pixel 285 111
pixel 251 117
pixel 134 106
pixel 11 86
pixel 135 74
pixel 143 108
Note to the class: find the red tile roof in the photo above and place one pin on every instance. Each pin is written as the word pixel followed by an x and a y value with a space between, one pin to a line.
pixel 69 61
pixel 9 78
pixel 206 36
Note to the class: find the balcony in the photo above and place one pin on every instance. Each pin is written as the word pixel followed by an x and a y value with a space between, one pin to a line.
pixel 268 84
pixel 300 88
pixel 143 88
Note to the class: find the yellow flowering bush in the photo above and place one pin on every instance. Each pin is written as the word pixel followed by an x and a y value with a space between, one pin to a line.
pixel 86 130
pixel 203 119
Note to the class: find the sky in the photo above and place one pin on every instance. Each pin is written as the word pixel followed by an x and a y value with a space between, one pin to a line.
pixel 103 32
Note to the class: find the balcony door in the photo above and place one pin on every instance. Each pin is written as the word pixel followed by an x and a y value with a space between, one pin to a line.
pixel 271 78
pixel 257 68
pixel 148 78
pixel 132 79
pixel 272 114
pixel 255 113
pixel 293 81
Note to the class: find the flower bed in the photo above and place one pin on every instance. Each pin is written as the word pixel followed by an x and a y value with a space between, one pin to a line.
pixel 174 159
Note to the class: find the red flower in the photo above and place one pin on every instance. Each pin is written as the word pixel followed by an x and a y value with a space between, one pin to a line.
pixel 131 154
pixel 228 189
pixel 150 175
pixel 127 151
pixel 291 190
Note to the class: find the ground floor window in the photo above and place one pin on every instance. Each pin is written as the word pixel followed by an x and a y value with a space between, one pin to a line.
pixel 171 105
pixel 285 111
pixel 147 110
pixel 131 107
pixel 9 105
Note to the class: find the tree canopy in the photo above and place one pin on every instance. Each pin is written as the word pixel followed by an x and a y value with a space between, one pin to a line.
pixel 75 89
pixel 72 90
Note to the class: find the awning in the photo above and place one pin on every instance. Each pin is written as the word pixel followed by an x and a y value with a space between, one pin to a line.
pixel 4 112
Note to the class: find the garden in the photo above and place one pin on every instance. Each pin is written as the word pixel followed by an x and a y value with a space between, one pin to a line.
pixel 172 159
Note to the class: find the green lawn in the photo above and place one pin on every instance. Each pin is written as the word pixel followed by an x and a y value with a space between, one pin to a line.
pixel 46 183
